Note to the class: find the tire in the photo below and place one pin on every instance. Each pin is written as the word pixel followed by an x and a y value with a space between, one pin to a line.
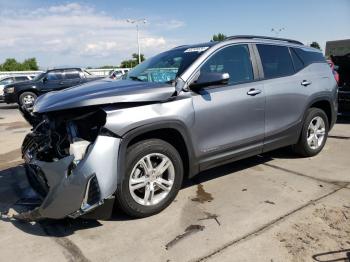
pixel 303 147
pixel 133 202
pixel 25 97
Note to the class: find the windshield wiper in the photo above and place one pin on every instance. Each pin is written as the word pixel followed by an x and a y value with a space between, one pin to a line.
pixel 171 82
pixel 136 78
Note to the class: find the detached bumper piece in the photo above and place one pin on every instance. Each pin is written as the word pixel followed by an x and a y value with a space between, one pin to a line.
pixel 71 189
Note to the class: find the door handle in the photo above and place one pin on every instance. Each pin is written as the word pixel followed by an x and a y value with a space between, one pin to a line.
pixel 305 83
pixel 253 92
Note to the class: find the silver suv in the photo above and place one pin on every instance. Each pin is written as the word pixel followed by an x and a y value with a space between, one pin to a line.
pixel 183 111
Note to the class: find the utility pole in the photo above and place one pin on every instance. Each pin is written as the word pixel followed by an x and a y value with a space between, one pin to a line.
pixel 137 22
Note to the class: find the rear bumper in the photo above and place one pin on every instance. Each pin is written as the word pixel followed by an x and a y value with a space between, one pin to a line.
pixel 74 190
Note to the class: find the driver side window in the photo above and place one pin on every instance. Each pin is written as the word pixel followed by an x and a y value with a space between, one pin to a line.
pixel 234 60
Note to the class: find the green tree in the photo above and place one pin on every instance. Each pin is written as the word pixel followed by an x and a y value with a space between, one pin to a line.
pixel 218 37
pixel 315 45
pixel 30 64
pixel 134 61
pixel 11 64
pixel 107 66
pixel 136 57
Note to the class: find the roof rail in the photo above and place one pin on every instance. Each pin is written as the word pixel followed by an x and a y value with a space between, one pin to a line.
pixel 263 37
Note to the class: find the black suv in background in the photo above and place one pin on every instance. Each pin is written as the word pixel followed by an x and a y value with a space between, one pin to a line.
pixel 25 93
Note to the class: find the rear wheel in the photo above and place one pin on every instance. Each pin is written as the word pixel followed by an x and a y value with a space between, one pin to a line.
pixel 27 99
pixel 314 133
pixel 154 174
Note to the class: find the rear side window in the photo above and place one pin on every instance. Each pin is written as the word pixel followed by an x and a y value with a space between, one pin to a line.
pixel 276 61
pixel 298 63
pixel 309 56
pixel 234 60
pixel 52 76
pixel 71 74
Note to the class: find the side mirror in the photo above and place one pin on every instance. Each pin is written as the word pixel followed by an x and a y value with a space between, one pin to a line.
pixel 45 79
pixel 210 79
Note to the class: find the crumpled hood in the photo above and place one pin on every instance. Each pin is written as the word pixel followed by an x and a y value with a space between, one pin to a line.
pixel 104 91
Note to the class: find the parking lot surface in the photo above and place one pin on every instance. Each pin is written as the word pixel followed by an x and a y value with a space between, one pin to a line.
pixel 273 207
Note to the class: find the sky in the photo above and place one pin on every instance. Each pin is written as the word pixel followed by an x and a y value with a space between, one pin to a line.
pixel 95 33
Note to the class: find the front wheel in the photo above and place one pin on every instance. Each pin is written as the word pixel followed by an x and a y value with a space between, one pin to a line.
pixel 27 99
pixel 314 133
pixel 154 173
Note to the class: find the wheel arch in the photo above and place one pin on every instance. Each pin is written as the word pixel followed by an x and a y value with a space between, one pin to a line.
pixel 324 104
pixel 173 132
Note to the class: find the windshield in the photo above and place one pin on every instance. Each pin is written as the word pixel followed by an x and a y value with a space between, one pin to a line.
pixel 165 67
pixel 41 75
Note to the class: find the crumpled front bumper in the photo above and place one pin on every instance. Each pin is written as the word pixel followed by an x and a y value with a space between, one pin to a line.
pixel 70 190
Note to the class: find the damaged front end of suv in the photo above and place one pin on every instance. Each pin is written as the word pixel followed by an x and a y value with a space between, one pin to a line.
pixel 71 155
pixel 63 159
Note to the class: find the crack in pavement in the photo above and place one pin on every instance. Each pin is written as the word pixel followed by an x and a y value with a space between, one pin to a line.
pixel 267 226
pixel 333 182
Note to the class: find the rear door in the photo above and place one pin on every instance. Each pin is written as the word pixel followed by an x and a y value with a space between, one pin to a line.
pixel 72 77
pixel 229 119
pixel 286 97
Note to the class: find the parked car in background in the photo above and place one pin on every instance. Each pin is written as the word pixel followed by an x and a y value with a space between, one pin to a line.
pixel 176 114
pixel 118 73
pixel 343 68
pixel 25 93
pixel 10 80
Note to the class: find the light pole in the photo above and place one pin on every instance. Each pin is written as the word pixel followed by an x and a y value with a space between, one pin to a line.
pixel 277 31
pixel 137 22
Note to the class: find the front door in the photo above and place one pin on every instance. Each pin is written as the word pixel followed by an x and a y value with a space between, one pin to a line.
pixel 53 81
pixel 229 119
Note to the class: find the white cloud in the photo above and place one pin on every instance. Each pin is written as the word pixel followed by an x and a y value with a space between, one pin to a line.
pixel 151 41
pixel 171 24
pixel 73 33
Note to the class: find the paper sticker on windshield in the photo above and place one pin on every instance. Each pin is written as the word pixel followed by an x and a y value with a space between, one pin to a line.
pixel 196 49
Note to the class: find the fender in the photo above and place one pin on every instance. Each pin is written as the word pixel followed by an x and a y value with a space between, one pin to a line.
pixel 193 167
pixel 322 98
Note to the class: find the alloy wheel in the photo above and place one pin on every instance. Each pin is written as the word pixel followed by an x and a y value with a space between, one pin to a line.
pixel 28 100
pixel 151 179
pixel 316 132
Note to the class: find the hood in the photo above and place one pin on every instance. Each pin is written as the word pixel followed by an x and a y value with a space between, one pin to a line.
pixel 101 92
